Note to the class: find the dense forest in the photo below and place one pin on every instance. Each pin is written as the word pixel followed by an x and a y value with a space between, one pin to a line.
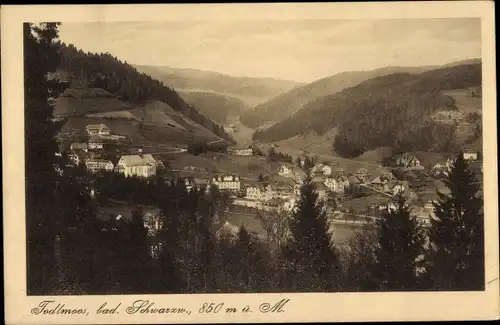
pixel 102 70
pixel 392 110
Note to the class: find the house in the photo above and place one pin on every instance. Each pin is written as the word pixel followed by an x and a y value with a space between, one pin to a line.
pixel 362 174
pixel 321 169
pixel 254 192
pixel 74 159
pixel 283 190
pixel 399 187
pixel 342 184
pixel 95 165
pixel 137 165
pixel 227 182
pixel 407 161
pixel 470 154
pixel 284 170
pixel 331 183
pixel 439 169
pixel 97 129
pixel 302 161
pixel 241 151
pixel 475 91
pixel 296 189
pixel 95 142
pixel 79 146
pixel 227 229
pixel 326 170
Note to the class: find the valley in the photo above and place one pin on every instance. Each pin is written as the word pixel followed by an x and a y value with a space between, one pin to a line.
pixel 298 121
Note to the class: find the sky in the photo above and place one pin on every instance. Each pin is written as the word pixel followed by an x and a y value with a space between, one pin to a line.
pixel 299 50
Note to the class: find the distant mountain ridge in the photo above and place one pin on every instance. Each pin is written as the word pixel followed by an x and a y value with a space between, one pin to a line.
pixel 392 110
pixel 215 106
pixel 249 90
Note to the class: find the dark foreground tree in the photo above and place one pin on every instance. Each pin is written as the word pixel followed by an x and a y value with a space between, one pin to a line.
pixel 457 236
pixel 40 58
pixel 311 263
pixel 399 250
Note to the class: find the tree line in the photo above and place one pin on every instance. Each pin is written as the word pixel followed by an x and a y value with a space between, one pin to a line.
pixel 71 245
pixel 274 155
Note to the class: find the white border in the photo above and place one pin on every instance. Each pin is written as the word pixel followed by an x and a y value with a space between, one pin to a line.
pixel 341 307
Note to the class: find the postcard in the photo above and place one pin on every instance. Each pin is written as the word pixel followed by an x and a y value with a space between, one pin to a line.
pixel 246 163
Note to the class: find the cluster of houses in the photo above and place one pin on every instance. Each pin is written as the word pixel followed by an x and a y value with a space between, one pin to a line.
pixel 88 153
pixel 442 169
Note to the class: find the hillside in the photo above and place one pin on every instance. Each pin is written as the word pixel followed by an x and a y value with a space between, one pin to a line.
pixel 285 105
pixel 215 106
pixel 113 85
pixel 249 90
pixel 392 110
pixel 152 122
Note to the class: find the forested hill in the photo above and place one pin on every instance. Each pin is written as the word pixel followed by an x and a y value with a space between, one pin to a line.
pixel 120 78
pixel 392 110
pixel 286 104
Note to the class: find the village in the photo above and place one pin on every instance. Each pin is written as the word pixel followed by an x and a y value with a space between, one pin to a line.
pixel 351 198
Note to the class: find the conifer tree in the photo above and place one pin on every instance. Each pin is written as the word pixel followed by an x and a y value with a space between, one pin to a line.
pixel 40 58
pixel 399 249
pixel 309 255
pixel 137 256
pixel 457 234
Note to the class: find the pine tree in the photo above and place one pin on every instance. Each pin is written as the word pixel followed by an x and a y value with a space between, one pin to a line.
pixel 457 234
pixel 137 256
pixel 399 249
pixel 40 57
pixel 309 254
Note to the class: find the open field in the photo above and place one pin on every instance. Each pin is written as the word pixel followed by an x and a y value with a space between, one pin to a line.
pixel 81 101
pixel 464 101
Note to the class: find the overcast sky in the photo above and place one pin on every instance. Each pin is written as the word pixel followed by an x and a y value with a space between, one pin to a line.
pixel 301 50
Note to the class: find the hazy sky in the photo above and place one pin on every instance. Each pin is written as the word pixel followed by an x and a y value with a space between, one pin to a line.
pixel 301 50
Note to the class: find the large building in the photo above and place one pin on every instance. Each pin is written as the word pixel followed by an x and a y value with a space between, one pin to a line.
pixel 137 165
pixel 241 151
pixel 227 182
pixel 97 129
pixel 95 165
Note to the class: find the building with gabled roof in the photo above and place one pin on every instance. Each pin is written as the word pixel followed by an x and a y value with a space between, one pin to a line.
pixel 97 129
pixel 137 165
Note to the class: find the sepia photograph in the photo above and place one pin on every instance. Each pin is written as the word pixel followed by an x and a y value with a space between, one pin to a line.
pixel 253 156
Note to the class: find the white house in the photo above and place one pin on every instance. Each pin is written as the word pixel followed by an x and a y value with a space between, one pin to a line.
pixel 137 165
pixel 95 165
pixel 95 143
pixel 469 154
pixel 284 170
pixel 97 129
pixel 331 183
pixel 227 229
pixel 254 193
pixel 227 182
pixel 241 151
